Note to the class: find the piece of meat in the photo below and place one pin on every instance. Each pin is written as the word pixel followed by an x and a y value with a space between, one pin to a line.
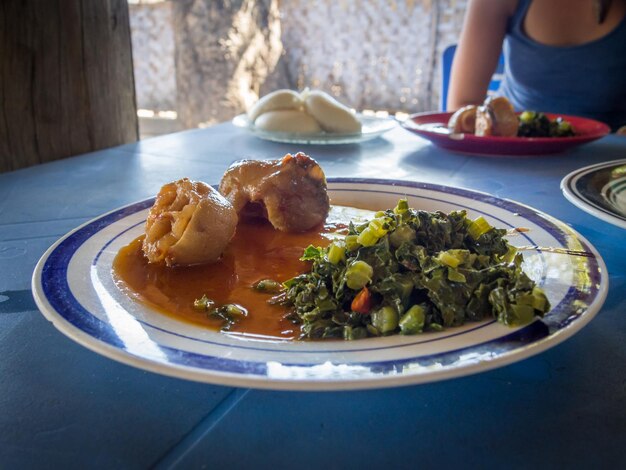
pixel 290 192
pixel 496 117
pixel 189 223
pixel 463 121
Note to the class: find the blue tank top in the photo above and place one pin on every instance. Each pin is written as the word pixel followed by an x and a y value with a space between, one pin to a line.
pixel 587 80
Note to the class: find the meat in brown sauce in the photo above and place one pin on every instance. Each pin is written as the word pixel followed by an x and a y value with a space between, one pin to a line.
pixel 290 193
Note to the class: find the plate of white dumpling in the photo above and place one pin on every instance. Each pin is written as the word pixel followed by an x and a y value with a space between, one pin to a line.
pixel 309 117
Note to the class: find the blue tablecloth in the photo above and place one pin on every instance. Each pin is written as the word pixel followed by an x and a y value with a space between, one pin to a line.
pixel 63 406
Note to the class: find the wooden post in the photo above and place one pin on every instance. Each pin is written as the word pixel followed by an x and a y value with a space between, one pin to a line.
pixel 66 79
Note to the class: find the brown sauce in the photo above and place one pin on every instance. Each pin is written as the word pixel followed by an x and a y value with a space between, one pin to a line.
pixel 257 251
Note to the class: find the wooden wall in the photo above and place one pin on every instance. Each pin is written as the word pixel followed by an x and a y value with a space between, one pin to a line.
pixel 66 79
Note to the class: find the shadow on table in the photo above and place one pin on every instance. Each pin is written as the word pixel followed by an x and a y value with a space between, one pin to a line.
pixel 16 301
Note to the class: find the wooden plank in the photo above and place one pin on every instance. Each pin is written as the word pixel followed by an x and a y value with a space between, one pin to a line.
pixel 66 79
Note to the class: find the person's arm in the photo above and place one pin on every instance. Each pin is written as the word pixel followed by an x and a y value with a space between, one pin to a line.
pixel 478 50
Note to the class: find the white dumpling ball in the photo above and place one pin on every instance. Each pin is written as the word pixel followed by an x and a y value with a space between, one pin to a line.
pixel 279 99
pixel 288 120
pixel 331 115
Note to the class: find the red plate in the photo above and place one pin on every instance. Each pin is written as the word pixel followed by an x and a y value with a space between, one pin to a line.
pixel 433 126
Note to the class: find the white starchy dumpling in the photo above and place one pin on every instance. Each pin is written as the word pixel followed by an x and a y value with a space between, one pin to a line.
pixel 189 223
pixel 293 121
pixel 331 114
pixel 279 99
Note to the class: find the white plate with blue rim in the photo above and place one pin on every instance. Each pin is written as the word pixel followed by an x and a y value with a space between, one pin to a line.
pixel 74 288
pixel 372 127
pixel 599 190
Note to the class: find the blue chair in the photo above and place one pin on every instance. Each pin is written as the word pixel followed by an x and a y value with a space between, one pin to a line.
pixel 446 66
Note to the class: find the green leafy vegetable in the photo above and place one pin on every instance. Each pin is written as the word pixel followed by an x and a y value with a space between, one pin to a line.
pixel 228 313
pixel 534 124
pixel 268 285
pixel 413 271
pixel 203 304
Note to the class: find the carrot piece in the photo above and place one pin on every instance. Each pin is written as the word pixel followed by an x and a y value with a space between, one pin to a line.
pixel 362 303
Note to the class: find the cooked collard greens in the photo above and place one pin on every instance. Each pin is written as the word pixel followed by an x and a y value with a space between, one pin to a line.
pixel 410 271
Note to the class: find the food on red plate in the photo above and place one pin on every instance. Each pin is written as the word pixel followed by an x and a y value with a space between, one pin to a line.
pixel 463 121
pixel 534 124
pixel 496 117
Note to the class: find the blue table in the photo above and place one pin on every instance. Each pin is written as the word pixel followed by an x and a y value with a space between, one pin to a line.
pixel 63 406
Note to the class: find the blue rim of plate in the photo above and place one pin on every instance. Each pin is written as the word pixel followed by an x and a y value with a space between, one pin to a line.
pixel 573 186
pixel 55 300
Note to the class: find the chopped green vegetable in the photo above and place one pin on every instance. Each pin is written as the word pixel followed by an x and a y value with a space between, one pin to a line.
pixel 534 124
pixel 527 117
pixel 478 227
pixel 456 276
pixel 402 207
pixel 385 319
pixel 230 314
pixel 203 304
pixel 311 253
pixel 402 234
pixel 352 242
pixel 509 256
pixel 367 237
pixel 409 271
pixel 412 321
pixel 336 253
pixel 448 259
pixel 358 275
pixel 268 285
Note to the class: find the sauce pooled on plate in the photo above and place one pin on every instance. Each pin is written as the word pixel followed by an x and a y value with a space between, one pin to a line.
pixel 256 252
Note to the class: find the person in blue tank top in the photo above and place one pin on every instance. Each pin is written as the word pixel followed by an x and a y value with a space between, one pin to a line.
pixel 561 56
